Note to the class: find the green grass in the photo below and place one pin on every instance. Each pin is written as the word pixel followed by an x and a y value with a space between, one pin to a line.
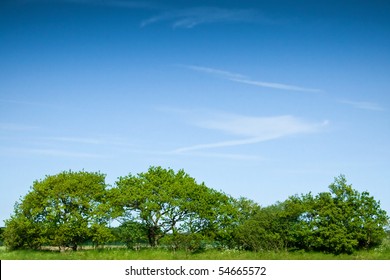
pixel 160 254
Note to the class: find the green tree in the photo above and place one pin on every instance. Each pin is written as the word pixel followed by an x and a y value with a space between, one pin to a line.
pixel 100 234
pixel 261 232
pixel 279 226
pixel 295 216
pixel 62 210
pixel 165 201
pixel 339 221
pixel 346 220
pixel 233 214
pixel 216 219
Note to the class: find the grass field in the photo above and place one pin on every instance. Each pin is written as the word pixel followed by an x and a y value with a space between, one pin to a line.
pixel 160 254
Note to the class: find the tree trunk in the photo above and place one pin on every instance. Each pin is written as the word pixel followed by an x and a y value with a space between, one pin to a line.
pixel 152 236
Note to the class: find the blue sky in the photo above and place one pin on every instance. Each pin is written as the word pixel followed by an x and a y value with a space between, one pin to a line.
pixel 261 99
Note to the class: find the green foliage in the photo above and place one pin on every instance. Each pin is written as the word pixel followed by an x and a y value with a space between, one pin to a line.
pixel 100 235
pixel 170 208
pixel 21 233
pixel 190 242
pixel 132 234
pixel 350 220
pixel 62 210
pixel 1 235
pixel 276 227
pixel 260 232
pixel 166 202
pixel 219 219
pixel 339 221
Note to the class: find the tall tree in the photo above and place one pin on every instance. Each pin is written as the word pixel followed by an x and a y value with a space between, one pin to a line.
pixel 61 210
pixel 165 201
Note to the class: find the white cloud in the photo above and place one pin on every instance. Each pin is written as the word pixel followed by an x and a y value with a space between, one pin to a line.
pixel 252 130
pixel 63 153
pixel 129 4
pixel 257 126
pixel 189 18
pixel 275 85
pixel 24 102
pixel 46 152
pixel 217 72
pixel 76 140
pixel 363 105
pixel 17 127
pixel 239 78
pixel 230 156
pixel 60 146
pixel 115 3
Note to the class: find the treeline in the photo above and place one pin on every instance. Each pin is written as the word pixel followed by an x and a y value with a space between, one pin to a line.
pixel 164 207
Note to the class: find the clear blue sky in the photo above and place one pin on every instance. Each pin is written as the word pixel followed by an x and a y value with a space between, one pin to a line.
pixel 261 99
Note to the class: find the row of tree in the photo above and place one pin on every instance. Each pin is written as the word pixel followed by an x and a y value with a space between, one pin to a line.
pixel 162 206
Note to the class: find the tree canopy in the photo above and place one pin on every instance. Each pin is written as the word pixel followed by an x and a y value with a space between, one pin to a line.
pixel 61 210
pixel 161 206
pixel 343 220
pixel 166 201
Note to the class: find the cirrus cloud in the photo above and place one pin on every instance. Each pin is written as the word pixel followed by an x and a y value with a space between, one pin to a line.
pixel 364 105
pixel 192 17
pixel 239 78
pixel 252 130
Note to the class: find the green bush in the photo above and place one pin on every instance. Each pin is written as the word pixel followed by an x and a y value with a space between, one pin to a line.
pixel 132 234
pixel 190 242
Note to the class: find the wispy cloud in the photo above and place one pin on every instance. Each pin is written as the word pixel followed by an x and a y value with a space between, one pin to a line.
pixel 24 102
pixel 239 78
pixel 252 130
pixel 18 140
pixel 49 152
pixel 363 105
pixel 128 4
pixel 229 156
pixel 119 3
pixel 178 18
pixel 125 4
pixel 216 72
pixel 191 17
pixel 16 127
pixel 62 153
pixel 275 85
pixel 76 140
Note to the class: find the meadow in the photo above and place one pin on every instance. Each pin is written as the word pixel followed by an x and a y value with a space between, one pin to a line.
pixel 381 253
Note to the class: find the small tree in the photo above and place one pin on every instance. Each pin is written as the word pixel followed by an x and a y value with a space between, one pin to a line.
pixel 132 234
pixel 60 210
pixel 100 235
pixel 20 232
pixel 348 220
pixel 261 232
